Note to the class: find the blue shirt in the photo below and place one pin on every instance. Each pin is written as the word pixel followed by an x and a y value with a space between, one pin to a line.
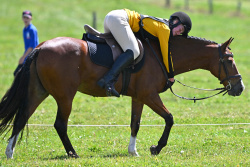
pixel 30 37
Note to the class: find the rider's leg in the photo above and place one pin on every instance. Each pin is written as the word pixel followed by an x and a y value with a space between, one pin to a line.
pixel 117 23
pixel 109 78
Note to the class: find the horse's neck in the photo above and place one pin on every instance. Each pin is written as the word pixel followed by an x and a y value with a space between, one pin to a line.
pixel 192 55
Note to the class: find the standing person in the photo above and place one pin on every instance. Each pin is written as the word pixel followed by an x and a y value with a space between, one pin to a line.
pixel 123 23
pixel 30 37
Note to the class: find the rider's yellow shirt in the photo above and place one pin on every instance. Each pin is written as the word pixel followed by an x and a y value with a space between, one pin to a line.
pixel 156 28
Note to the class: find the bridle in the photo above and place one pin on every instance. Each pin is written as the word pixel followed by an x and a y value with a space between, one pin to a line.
pixel 222 63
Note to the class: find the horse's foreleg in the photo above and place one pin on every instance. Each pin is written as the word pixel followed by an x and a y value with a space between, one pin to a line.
pixel 61 123
pixel 135 125
pixel 157 106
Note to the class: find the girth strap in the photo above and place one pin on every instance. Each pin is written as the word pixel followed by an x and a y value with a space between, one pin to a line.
pixel 126 74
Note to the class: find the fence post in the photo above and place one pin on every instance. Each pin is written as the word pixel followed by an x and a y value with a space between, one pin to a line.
pixel 167 3
pixel 238 7
pixel 94 20
pixel 186 5
pixel 210 4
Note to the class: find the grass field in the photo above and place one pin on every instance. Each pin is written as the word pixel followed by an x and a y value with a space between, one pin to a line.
pixel 216 145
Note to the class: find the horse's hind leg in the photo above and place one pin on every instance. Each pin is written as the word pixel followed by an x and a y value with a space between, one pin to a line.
pixel 20 124
pixel 60 76
pixel 11 146
pixel 36 94
pixel 135 125
pixel 61 123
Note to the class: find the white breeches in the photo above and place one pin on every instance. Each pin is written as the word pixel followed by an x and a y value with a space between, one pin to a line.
pixel 117 23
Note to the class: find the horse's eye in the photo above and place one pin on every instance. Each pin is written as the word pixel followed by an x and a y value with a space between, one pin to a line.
pixel 230 62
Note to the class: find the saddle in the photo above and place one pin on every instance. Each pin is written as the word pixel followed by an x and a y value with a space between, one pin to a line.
pixel 104 50
pixel 97 37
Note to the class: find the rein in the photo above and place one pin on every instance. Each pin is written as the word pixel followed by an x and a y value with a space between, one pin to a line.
pixel 203 98
pixel 221 60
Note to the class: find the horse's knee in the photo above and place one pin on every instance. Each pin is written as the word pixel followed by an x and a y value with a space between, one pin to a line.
pixel 60 126
pixel 169 120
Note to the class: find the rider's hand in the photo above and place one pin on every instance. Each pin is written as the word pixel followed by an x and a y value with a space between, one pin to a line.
pixel 171 79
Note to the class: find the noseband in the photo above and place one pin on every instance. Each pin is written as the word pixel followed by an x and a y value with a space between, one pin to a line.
pixel 222 63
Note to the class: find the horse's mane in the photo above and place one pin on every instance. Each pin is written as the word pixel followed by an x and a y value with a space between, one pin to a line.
pixel 202 39
pixel 199 40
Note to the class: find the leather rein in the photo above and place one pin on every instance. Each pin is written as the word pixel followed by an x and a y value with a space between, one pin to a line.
pixel 222 63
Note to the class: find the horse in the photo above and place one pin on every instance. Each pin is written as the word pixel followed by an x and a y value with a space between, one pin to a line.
pixel 61 66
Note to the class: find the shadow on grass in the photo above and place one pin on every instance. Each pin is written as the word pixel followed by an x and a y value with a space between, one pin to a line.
pixel 114 155
pixel 108 155
pixel 62 157
pixel 111 155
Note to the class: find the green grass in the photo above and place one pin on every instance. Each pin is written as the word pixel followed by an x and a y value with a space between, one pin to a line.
pixel 107 146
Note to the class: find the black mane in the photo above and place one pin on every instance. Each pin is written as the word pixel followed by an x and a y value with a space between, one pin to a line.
pixel 202 39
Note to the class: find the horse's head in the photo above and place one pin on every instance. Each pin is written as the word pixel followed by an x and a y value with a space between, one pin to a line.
pixel 224 68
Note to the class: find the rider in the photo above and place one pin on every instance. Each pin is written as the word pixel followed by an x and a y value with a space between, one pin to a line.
pixel 123 23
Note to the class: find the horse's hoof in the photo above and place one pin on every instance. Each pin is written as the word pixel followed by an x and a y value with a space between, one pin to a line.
pixel 73 155
pixel 9 153
pixel 153 150
pixel 134 154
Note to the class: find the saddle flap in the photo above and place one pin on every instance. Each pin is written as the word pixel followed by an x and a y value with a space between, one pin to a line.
pixel 139 58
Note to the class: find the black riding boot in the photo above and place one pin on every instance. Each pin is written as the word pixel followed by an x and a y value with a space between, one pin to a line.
pixel 109 79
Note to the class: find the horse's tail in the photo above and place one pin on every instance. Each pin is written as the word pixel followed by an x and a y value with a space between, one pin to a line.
pixel 14 102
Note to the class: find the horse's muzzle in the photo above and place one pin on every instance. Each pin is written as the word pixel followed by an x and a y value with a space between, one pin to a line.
pixel 236 89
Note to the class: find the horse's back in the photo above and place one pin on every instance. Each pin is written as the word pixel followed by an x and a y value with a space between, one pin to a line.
pixel 61 45
pixel 64 66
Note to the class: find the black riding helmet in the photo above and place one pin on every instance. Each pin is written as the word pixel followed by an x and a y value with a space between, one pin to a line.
pixel 183 19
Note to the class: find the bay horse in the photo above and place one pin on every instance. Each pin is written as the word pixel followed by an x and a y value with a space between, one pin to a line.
pixel 61 66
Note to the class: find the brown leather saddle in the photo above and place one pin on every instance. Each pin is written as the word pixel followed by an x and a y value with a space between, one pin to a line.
pixel 97 36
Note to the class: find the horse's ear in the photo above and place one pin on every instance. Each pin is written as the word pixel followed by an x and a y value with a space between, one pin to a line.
pixel 227 43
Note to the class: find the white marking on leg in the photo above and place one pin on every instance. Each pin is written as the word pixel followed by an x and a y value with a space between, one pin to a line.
pixel 11 146
pixel 132 146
